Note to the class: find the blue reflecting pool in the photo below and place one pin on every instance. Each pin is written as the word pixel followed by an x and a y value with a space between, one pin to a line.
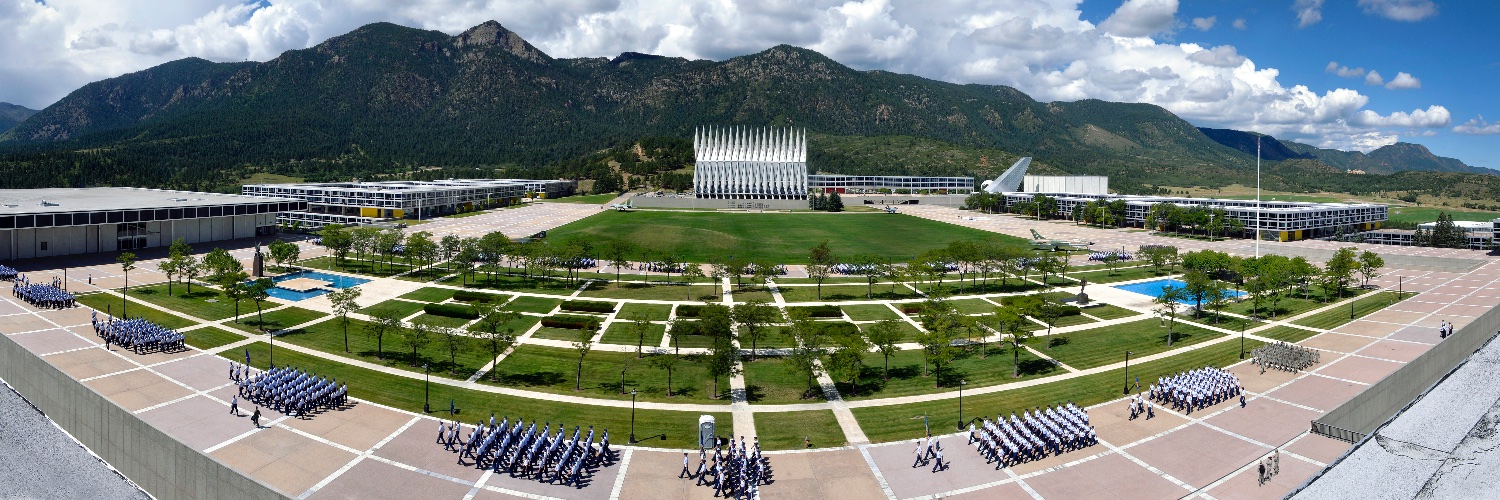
pixel 1154 288
pixel 331 280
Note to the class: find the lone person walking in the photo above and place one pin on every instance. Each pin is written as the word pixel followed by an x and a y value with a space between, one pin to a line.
pixel 255 417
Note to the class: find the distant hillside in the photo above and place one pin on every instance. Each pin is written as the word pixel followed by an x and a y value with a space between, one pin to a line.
pixel 1270 148
pixel 1398 157
pixel 12 115
pixel 386 97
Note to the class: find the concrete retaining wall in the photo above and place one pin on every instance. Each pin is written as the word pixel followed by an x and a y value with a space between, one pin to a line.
pixel 161 465
pixel 1368 410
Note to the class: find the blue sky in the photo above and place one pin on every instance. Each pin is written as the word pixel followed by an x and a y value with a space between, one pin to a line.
pixel 1452 52
pixel 1261 65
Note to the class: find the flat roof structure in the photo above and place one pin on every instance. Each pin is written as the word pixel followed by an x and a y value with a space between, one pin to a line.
pixel 67 221
pixel 1283 220
pixel 364 202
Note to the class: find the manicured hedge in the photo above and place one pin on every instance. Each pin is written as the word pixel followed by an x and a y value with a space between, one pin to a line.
pixel 589 306
pixel 911 308
pixel 688 311
pixel 471 296
pixel 570 322
pixel 823 311
pixel 463 311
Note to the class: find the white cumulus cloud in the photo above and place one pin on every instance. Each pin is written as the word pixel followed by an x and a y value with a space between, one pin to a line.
pixel 1239 24
pixel 1374 78
pixel 1137 18
pixel 1205 23
pixel 1224 56
pixel 1404 81
pixel 1309 12
pixel 1400 10
pixel 1477 126
pixel 1344 71
pixel 1433 116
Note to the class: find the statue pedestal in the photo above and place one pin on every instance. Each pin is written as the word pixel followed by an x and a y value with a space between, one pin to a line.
pixel 258 266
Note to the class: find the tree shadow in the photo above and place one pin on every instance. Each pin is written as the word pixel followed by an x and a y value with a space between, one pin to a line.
pixel 1036 366
pixel 1056 341
pixel 534 379
pixel 1177 338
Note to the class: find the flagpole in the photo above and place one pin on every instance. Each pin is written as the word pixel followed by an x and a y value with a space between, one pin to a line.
pixel 1258 207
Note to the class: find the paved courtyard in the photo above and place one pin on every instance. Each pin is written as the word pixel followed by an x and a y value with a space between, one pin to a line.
pixel 369 450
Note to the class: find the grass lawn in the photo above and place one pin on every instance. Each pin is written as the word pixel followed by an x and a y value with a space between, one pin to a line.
pixel 749 293
pixel 1291 304
pixel 768 380
pixel 429 294
pixel 194 304
pixel 837 280
pixel 1428 214
pixel 1287 333
pixel 787 430
pixel 442 321
pixel 869 312
pixel 396 307
pixel 328 336
pixel 517 326
pixel 1125 274
pixel 897 422
pixel 105 303
pixel 539 285
pixel 1062 321
pixel 835 293
pixel 624 333
pixel 275 320
pixel 972 306
pixel 652 291
pixel 661 428
pixel 355 266
pixel 1337 316
pixel 1108 311
pixel 1102 346
pixel 652 312
pixel 563 334
pixel 907 378
pixel 210 337
pixel 586 199
pixel 550 369
pixel 776 237
pixel 532 304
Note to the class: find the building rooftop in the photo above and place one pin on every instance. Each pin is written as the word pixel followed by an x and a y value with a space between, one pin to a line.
pixel 51 200
pixel 404 186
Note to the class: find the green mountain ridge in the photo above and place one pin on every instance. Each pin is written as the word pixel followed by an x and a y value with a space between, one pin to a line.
pixel 385 98
pixel 12 115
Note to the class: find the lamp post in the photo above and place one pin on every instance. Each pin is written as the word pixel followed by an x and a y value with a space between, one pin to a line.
pixel 1242 337
pixel 1400 280
pixel 632 415
pixel 1127 373
pixel 961 384
pixel 1351 310
pixel 426 388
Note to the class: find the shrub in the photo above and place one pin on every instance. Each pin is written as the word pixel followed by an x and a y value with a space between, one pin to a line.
pixel 569 322
pixel 472 296
pixel 463 311
pixel 589 306
pixel 824 311
pixel 911 308
pixel 839 329
pixel 689 311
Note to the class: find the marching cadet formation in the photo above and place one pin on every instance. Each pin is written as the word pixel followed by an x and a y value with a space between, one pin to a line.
pixel 524 451
pixel 1196 389
pixel 138 335
pixel 1034 435
pixel 289 390
pixel 45 296
pixel 1284 356
pixel 737 474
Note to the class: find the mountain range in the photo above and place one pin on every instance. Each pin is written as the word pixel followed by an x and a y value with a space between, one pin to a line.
pixel 384 98
pixel 12 115
pixel 1389 159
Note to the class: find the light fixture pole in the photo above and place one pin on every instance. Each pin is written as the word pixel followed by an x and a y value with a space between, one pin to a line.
pixel 632 415
pixel 1258 207
pixel 427 388
pixel 961 384
pixel 1127 373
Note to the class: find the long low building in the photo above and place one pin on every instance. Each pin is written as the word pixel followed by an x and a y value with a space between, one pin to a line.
pixel 354 203
pixel 69 221
pixel 1279 220
pixel 886 184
